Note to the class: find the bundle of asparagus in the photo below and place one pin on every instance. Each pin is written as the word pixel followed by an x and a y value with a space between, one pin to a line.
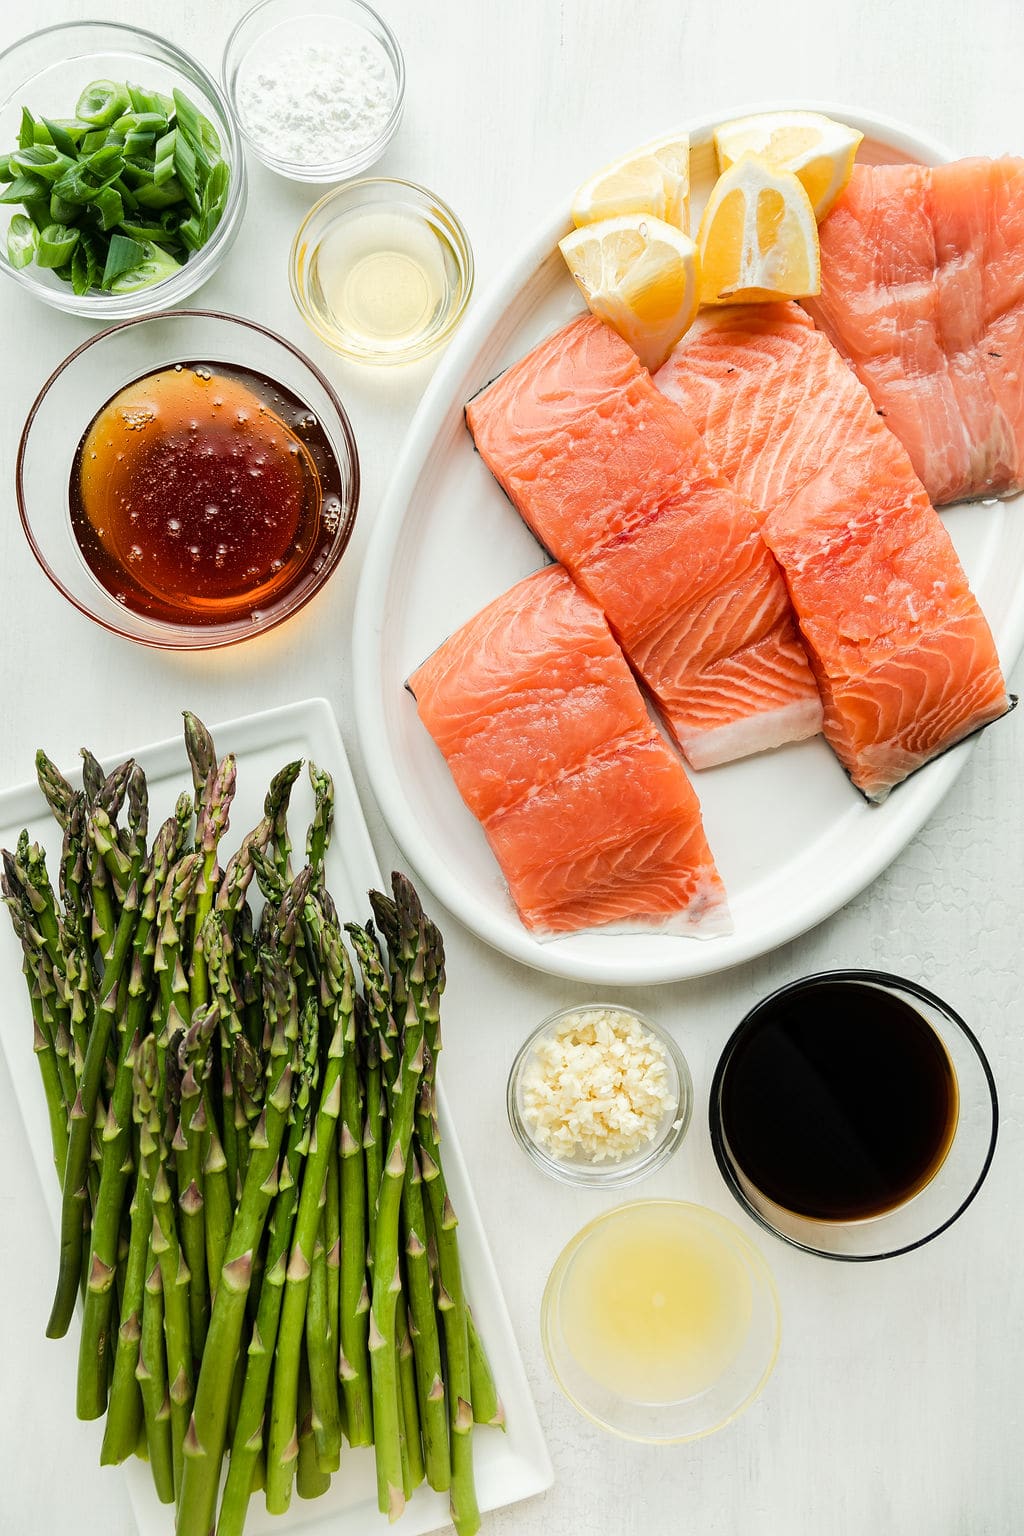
pixel 244 1123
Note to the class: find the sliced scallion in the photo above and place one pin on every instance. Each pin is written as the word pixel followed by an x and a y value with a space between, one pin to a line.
pixel 22 240
pixel 102 102
pixel 119 195
pixel 56 243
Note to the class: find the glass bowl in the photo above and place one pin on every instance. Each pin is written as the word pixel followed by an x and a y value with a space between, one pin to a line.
pixel 949 1190
pixel 429 263
pixel 257 41
pixel 47 72
pixel 609 1173
pixel 683 1266
pixel 86 380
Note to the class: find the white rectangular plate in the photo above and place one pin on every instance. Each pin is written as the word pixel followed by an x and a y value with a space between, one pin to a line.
pixel 509 1466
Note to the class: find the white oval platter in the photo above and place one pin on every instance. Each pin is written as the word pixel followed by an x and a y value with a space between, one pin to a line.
pixel 793 839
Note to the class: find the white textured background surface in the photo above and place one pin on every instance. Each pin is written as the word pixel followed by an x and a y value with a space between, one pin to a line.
pixel 895 1404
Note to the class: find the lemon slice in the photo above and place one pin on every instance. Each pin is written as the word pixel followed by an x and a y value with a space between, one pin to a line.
pixel 640 274
pixel 758 237
pixel 817 149
pixel 654 179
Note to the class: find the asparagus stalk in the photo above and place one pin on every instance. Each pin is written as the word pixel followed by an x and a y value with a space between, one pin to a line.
pixel 211 824
pixel 125 1404
pixel 424 1332
pixel 174 1272
pixel 282 1446
pixel 151 1374
pixel 487 1405
pixel 354 1298
pixel 116 1165
pixel 83 1113
pixel 386 1270
pixel 208 1429
pixel 187 1145
pixel 247 1443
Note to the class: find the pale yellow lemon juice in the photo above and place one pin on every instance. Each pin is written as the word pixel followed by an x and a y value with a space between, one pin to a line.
pixel 655 1308
pixel 660 1320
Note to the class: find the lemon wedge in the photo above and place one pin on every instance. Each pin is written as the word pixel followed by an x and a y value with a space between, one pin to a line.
pixel 654 179
pixel 758 237
pixel 815 148
pixel 640 274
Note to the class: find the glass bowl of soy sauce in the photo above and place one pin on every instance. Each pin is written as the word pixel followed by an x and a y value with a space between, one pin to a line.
pixel 188 479
pixel 854 1115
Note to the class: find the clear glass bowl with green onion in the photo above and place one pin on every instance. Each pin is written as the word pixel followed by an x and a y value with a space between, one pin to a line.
pixel 122 177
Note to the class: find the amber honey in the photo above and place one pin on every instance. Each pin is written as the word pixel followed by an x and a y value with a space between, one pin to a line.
pixel 205 494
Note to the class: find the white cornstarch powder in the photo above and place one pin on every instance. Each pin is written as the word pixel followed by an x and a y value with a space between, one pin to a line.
pixel 599 1086
pixel 318 103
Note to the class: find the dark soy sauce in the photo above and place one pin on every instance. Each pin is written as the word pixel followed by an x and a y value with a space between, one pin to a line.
pixel 202 493
pixel 839 1101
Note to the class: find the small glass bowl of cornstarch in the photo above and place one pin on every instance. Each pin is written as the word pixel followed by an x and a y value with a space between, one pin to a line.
pixel 317 86
pixel 599 1094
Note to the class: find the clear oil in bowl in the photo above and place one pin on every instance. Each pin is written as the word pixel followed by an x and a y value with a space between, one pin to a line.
pixel 384 283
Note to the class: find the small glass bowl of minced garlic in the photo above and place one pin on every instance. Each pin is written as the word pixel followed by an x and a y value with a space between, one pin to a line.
pixel 317 86
pixel 599 1094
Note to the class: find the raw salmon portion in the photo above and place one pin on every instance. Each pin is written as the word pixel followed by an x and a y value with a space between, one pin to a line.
pixel 922 290
pixel 589 813
pixel 904 658
pixel 615 482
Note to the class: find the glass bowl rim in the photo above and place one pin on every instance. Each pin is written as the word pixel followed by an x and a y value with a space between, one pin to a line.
pixel 758 1263
pixel 325 170
pixel 191 636
pixel 202 264
pixel 464 252
pixel 862 976
pixel 609 1174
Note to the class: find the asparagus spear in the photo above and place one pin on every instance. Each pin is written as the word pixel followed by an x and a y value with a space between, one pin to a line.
pixel 249 1428
pixel 85 1105
pixel 423 1329
pixel 282 1445
pixel 208 1429
pixel 116 1164
pixel 187 1145
pixel 174 1273
pixel 211 824
pixel 151 1372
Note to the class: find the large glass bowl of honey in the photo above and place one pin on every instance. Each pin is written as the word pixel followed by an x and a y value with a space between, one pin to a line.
pixel 188 480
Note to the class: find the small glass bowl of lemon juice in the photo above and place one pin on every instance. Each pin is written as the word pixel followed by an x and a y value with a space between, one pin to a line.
pixel 382 271
pixel 660 1321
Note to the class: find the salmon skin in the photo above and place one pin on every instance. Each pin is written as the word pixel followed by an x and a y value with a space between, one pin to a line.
pixel 588 811
pixel 617 485
pixel 904 658
pixel 922 290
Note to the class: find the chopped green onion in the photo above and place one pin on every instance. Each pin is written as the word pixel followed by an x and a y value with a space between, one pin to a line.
pixel 109 206
pixel 86 263
pixel 141 122
pixel 123 255
pixel 138 143
pixel 42 160
pixel 102 102
pixel 23 187
pixel 154 267
pixel 22 240
pixel 61 212
pixel 39 211
pixel 118 195
pixel 64 136
pixel 56 244
pixel 152 196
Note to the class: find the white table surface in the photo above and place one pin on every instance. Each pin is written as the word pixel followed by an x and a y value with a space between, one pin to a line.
pixel 895 1406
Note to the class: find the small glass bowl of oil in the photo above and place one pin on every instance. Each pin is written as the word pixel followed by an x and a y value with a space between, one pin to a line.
pixel 660 1321
pixel 381 271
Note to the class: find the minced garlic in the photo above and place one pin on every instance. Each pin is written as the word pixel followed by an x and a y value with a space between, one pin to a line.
pixel 597 1086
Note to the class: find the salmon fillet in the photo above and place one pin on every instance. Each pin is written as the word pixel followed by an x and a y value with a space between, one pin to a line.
pixel 922 290
pixel 904 658
pixel 588 811
pixel 618 486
